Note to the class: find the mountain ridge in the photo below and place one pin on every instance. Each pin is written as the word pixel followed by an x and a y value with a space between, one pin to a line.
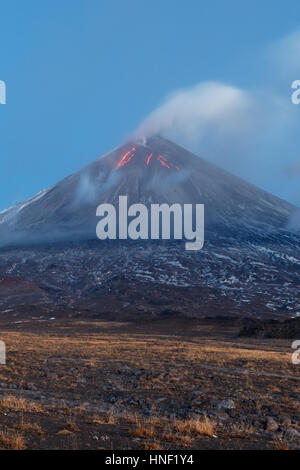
pixel 249 265
pixel 153 170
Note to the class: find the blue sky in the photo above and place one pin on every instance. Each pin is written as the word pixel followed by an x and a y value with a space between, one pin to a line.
pixel 82 74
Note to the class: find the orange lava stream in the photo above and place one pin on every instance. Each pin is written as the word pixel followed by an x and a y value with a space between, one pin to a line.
pixel 164 164
pixel 126 157
pixel 163 161
pixel 149 158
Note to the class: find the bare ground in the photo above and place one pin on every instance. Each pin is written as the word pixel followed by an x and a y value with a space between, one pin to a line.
pixel 164 384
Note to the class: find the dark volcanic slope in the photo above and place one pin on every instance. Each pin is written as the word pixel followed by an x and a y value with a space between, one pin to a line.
pixel 250 263
pixel 153 171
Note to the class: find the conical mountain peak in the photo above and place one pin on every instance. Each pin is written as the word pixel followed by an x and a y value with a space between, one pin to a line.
pixel 152 170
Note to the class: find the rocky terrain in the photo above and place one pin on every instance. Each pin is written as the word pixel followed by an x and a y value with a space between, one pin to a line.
pixel 289 328
pixel 126 280
pixel 164 384
pixel 249 266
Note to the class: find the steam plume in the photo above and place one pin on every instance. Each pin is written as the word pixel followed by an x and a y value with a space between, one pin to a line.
pixel 192 113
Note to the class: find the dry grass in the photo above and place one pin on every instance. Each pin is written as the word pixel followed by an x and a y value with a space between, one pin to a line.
pixel 15 403
pixel 95 421
pixel 182 431
pixel 129 418
pixel 144 431
pixel 195 427
pixel 29 427
pixel 242 431
pixel 152 445
pixel 110 417
pixel 12 441
pixel 73 426
pixel 282 446
pixel 163 371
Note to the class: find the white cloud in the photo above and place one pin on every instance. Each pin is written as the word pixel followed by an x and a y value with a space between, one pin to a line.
pixel 285 54
pixel 194 112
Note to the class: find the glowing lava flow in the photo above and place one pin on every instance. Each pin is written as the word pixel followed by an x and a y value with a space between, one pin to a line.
pixel 163 161
pixel 149 158
pixel 126 157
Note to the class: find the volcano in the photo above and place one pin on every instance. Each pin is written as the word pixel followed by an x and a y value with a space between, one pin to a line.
pixel 147 171
pixel 250 261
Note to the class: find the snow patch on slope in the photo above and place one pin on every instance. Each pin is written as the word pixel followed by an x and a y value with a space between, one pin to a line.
pixel 8 214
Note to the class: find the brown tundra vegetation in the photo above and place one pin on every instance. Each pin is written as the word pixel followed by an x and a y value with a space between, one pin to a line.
pixel 161 384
